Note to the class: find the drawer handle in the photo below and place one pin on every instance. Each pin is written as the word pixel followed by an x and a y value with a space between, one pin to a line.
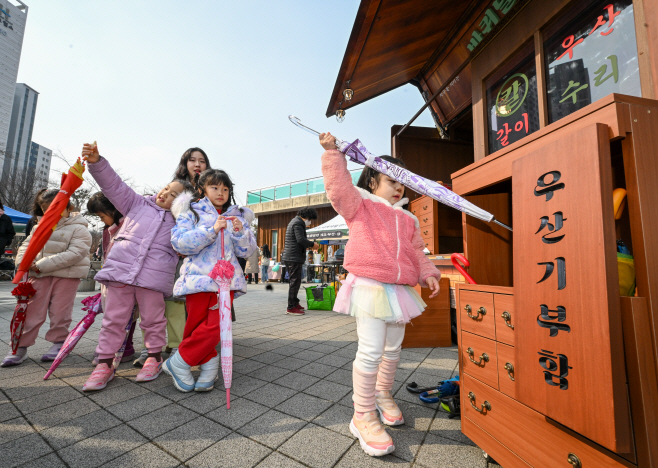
pixel 486 406
pixel 483 357
pixel 425 207
pixel 508 319
pixel 509 367
pixel 481 310
pixel 424 232
pixel 424 220
pixel 574 460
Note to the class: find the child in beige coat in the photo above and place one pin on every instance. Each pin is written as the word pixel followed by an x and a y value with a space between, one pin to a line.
pixel 55 275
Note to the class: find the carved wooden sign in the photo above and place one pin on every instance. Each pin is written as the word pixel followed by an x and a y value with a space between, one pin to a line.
pixel 569 351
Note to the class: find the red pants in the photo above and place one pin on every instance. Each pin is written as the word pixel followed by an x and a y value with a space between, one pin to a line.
pixel 201 334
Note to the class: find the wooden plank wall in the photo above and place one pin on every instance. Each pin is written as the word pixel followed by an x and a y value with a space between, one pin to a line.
pixel 280 221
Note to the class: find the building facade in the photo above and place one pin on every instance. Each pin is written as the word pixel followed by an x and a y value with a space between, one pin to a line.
pixel 39 162
pixel 17 152
pixel 12 28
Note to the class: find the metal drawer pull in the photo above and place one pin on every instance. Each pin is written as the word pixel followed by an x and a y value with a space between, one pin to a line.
pixel 486 406
pixel 424 220
pixel 425 207
pixel 484 357
pixel 508 319
pixel 481 310
pixel 509 367
pixel 574 460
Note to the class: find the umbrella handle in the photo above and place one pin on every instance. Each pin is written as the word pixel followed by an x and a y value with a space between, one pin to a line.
pixel 455 259
pixel 298 123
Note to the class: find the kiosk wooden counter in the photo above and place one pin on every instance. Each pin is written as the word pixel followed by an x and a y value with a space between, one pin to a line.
pixel 556 101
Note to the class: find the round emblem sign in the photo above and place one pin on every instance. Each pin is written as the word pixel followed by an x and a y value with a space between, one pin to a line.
pixel 509 98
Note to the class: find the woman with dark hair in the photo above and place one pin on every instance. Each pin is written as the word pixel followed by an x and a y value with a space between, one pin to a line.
pixel 7 232
pixel 193 162
pixel 265 255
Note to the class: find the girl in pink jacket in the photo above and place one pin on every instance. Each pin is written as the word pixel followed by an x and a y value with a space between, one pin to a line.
pixel 385 259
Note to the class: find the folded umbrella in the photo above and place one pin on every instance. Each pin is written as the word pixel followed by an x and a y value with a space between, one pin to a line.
pixel 92 305
pixel 359 154
pixel 222 273
pixel 23 292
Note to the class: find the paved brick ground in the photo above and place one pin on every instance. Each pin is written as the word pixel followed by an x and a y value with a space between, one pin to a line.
pixel 291 403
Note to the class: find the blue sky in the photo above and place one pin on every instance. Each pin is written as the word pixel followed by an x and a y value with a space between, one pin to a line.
pixel 148 79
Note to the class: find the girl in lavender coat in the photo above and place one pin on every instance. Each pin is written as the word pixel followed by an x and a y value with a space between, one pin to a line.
pixel 197 236
pixel 139 268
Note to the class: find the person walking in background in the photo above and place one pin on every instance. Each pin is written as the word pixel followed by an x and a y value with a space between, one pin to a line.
pixel 55 275
pixel 385 259
pixel 265 255
pixel 294 252
pixel 251 269
pixel 7 232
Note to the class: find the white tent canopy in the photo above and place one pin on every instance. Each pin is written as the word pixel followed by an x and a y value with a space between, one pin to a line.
pixel 334 231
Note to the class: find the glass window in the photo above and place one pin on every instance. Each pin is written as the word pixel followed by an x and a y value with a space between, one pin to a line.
pixel 298 189
pixel 253 197
pixel 275 247
pixel 315 186
pixel 267 195
pixel 283 192
pixel 591 56
pixel 512 106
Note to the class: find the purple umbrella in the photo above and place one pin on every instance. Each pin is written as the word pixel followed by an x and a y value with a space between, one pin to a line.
pixel 359 154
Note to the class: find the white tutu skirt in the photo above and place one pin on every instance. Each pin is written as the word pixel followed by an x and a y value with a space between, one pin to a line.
pixel 365 297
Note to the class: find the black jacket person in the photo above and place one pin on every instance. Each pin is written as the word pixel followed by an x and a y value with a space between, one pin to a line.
pixel 294 254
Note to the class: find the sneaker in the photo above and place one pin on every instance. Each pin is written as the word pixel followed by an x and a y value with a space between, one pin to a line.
pixel 299 306
pixel 294 311
pixel 373 438
pixel 388 409
pixel 208 376
pixel 150 371
pixel 52 353
pixel 99 379
pixel 139 362
pixel 15 359
pixel 180 371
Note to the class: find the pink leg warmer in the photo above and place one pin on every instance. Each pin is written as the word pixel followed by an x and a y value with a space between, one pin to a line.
pixel 364 390
pixel 386 375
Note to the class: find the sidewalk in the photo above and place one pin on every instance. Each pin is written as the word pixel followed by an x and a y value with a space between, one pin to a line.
pixel 291 403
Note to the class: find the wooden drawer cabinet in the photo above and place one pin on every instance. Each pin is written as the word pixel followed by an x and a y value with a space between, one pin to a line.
pixel 504 318
pixel 480 358
pixel 534 438
pixel 438 224
pixel 506 369
pixel 422 206
pixel 427 232
pixel 477 313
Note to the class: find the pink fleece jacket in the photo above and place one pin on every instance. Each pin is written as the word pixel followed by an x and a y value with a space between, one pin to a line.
pixel 385 242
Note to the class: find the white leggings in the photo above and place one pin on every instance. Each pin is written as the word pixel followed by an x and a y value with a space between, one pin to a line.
pixel 377 339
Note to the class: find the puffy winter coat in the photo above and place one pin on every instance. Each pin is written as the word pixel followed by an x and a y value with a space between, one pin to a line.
pixel 141 254
pixel 66 254
pixel 296 243
pixel 202 245
pixel 385 242
pixel 7 232
pixel 252 263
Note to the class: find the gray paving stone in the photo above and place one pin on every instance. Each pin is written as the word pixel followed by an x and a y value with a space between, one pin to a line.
pixel 8 411
pixel 297 381
pixel 324 349
pixel 189 439
pixel 204 402
pixel 291 363
pixel 55 415
pixel 310 356
pixel 170 392
pixel 269 373
pixel 317 370
pixel 49 461
pixel 246 352
pixel 164 419
pixel 341 376
pixel 80 428
pixel 337 418
pixel 276 460
pixel 316 446
pixel 357 458
pixel 46 400
pixel 113 394
pixel 233 451
pixel 14 429
pixel 242 411
pixel 301 344
pixel 247 366
pixel 334 360
pixel 304 406
pixel 447 428
pixel 139 406
pixel 270 395
pixel 407 441
pixel 245 384
pixel 272 428
pixel 288 350
pixel 102 448
pixel 146 456
pixel 33 389
pixel 23 450
pixel 328 390
pixel 437 451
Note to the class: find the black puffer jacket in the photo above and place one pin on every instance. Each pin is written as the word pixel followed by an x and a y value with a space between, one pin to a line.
pixel 296 242
pixel 7 232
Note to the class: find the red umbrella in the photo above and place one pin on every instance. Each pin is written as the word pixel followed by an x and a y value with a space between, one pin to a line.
pixel 24 291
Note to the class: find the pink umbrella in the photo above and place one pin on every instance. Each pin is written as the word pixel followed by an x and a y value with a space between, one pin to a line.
pixel 92 305
pixel 222 273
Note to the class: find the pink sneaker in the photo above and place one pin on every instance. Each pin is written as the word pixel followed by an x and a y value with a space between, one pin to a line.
pixel 150 371
pixel 99 379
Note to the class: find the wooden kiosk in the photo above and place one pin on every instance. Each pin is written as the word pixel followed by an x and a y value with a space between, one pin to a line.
pixel 557 367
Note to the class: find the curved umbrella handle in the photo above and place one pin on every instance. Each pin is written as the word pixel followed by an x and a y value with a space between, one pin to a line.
pixel 455 259
pixel 298 123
